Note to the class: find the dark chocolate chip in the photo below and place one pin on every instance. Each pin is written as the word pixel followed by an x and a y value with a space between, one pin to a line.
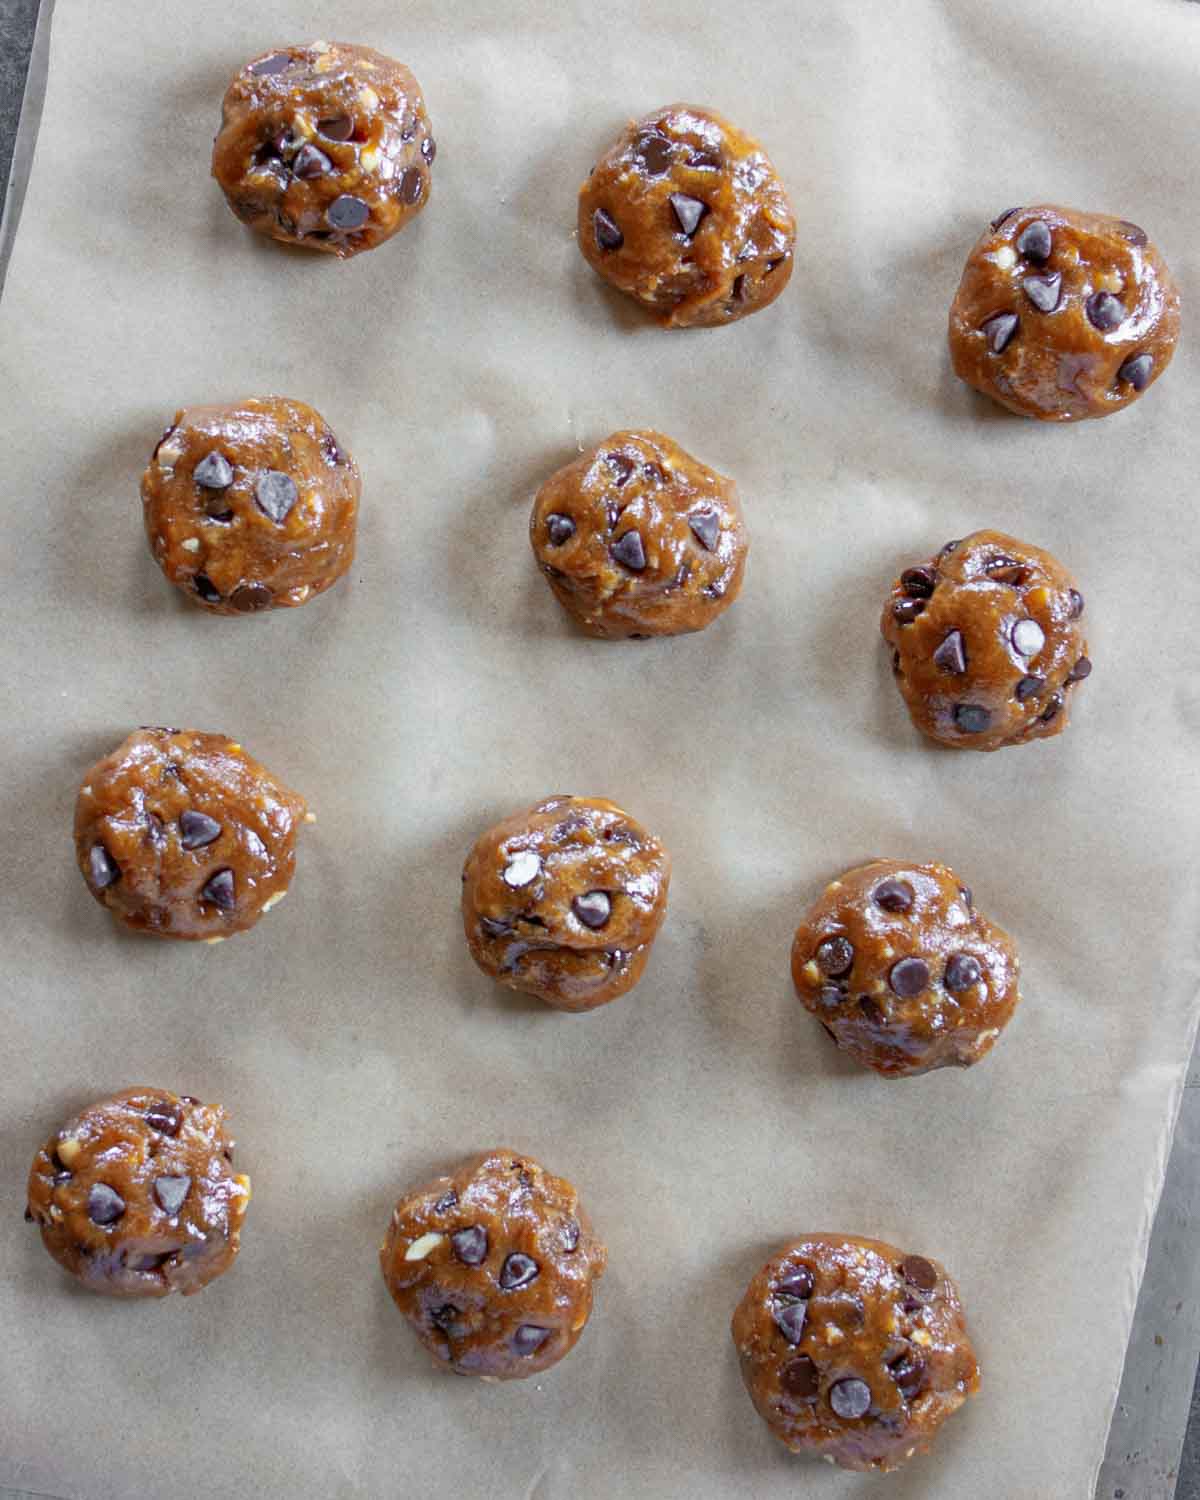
pixel 593 908
pixel 1104 311
pixel 962 971
pixel 951 655
pixel 796 1281
pixel 1029 687
pixel 789 1319
pixel 1133 233
pixel 347 212
pixel 1000 218
pixel 1043 291
pixel 688 212
pixel 444 1317
pixel 560 528
pixel 654 152
pixel 871 1012
pixel 495 929
pixel 219 890
pixel 909 977
pixel 170 1192
pixel 950 547
pixel 446 1202
pixel 1081 669
pixel 429 150
pixel 165 1118
pixel 972 718
pixel 919 1272
pixel 248 597
pixel 894 895
pixel 275 494
pixel 214 471
pixel 655 473
pixel 965 892
pixel 1052 709
pixel 104 1204
pixel 1076 604
pixel 850 1399
pixel 907 610
pixel 833 992
pixel 1136 371
pixel 999 331
pixel 311 162
pixel 206 588
pixel 197 829
pixel 741 288
pixel 28 1214
pixel 528 1339
pixel 835 957
pixel 1034 241
pixel 266 67
pixel 471 1245
pixel 336 128
pixel 412 185
pixel 622 466
pixel 62 1177
pixel 706 528
pixel 908 1371
pixel 705 161
pixel 517 1271
pixel 918 583
pixel 570 1236
pixel 102 867
pixel 629 552
pixel 799 1378
pixel 607 231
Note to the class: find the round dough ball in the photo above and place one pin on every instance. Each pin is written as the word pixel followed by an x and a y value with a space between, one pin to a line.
pixel 137 1197
pixel 494 1266
pixel 852 1350
pixel 184 835
pixel 687 215
pixel 565 900
pixel 902 971
pixel 251 506
pixel 637 538
pixel 326 146
pixel 1062 315
pixel 987 647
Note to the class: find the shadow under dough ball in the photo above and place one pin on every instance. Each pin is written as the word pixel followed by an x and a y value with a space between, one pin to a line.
pixel 326 146
pixel 987 648
pixel 564 901
pixel 1062 315
pixel 137 1196
pixel 494 1266
pixel 902 971
pixel 251 506
pixel 637 538
pixel 687 216
pixel 853 1351
pixel 183 835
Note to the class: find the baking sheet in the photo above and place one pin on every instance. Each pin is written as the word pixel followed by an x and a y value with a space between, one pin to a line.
pixel 705 1117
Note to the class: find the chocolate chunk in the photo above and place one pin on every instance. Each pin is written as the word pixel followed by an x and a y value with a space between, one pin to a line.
pixel 206 588
pixel 607 231
pixel 336 128
pixel 517 1271
pixel 705 161
pixel 197 829
pixel 560 528
pixel 688 212
pixel 165 1118
pixel 1133 233
pixel 918 583
pixel 629 552
pixel 796 1281
pixel 706 528
pixel 471 1245
pixel 835 956
pixel 266 67
pixel 214 471
pixel 1034 241
pixel 429 150
pixel 275 493
pixel 1029 687
pixel 654 152
pixel 1136 371
pixel 170 1192
pixel 218 889
pixel 909 977
pixel 850 1399
pixel 908 1371
pixel 951 655
pixel 248 597
pixel 528 1339
pixel 445 1317
pixel 972 718
pixel 918 1272
pixel 1027 637
pixel 1076 599
pixel 412 185
pixel 446 1202
pixel 311 162
pixel 789 1319
pixel 1000 218
pixel 622 466
pixel 522 869
pixel 833 992
pixel 1043 291
pixel 1081 669
pixel 962 971
pixel 347 212
pixel 593 908
pixel 216 508
pixel 907 610
pixel 1052 709
pixel 102 867
pixel 741 288
pixel 570 1236
pixel 104 1204
pixel 799 1378
pixel 894 895
pixel 999 331
pixel 1104 311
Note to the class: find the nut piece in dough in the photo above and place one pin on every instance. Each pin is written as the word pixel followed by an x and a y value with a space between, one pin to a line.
pixel 637 538
pixel 902 971
pixel 494 1266
pixel 326 146
pixel 686 215
pixel 1062 315
pixel 183 835
pixel 565 900
pixel 854 1351
pixel 137 1196
pixel 987 647
pixel 251 506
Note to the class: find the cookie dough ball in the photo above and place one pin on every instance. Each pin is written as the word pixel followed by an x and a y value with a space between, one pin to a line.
pixel 137 1196
pixel 987 647
pixel 494 1266
pixel 326 146
pixel 1062 315
pixel 637 538
pixel 184 835
pixel 902 971
pixel 852 1350
pixel 251 506
pixel 686 215
pixel 565 900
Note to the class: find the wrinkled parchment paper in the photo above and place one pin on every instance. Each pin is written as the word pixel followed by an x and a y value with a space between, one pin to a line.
pixel 705 1118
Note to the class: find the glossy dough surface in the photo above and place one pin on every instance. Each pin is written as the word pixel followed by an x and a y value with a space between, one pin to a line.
pixel 853 1350
pixel 137 1196
pixel 1062 315
pixel 494 1266
pixel 686 215
pixel 901 969
pixel 987 645
pixel 637 538
pixel 326 146
pixel 251 506
pixel 565 900
pixel 183 835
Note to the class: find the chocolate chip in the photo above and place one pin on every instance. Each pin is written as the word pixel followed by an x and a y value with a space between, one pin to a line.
pixel 444 1317
pixel 706 528
pixel 850 1399
pixel 918 583
pixel 789 1319
pixel 528 1339
pixel 1000 218
pixel 1052 709
pixel 347 212
pixel 275 493
pixel 999 331
pixel 522 869
pixel 412 185
pixel 170 1192
pixel 1133 233
pixel 495 929
pixel 962 971
pixel 28 1214
pixel 908 1371
pixel 570 1236
pixel 972 718
pixel 1104 311
pixel 741 288
pixel 206 588
pixel 311 162
pixel 471 1245
pixel 104 1204
pixel 197 829
pixel 797 1281
pixel 248 597
pixel 1081 669
pixel 560 528
pixel 950 547
pixel 622 466
pixel 102 867
pixel 654 152
pixel 799 1378
pixel 1029 687
pixel 517 1271
pixel 607 231
pixel 1006 569
pixel 1076 600
pixel 965 892
pixel 655 473
pixel 429 150
pixel 919 1272
pixel 216 508
pixel 894 895
pixel 688 212
pixel 1043 291
pixel 165 1118
pixel 1035 242
pixel 705 161
pixel 951 655
pixel 835 956
pixel 278 62
pixel 833 993
pixel 1028 637
pixel 909 977
pixel 336 128
pixel 1136 371
pixel 219 890
pixel 907 610
pixel 593 908
pixel 214 471
pixel 629 552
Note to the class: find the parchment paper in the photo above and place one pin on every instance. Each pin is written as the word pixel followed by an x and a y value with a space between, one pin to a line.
pixel 705 1117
